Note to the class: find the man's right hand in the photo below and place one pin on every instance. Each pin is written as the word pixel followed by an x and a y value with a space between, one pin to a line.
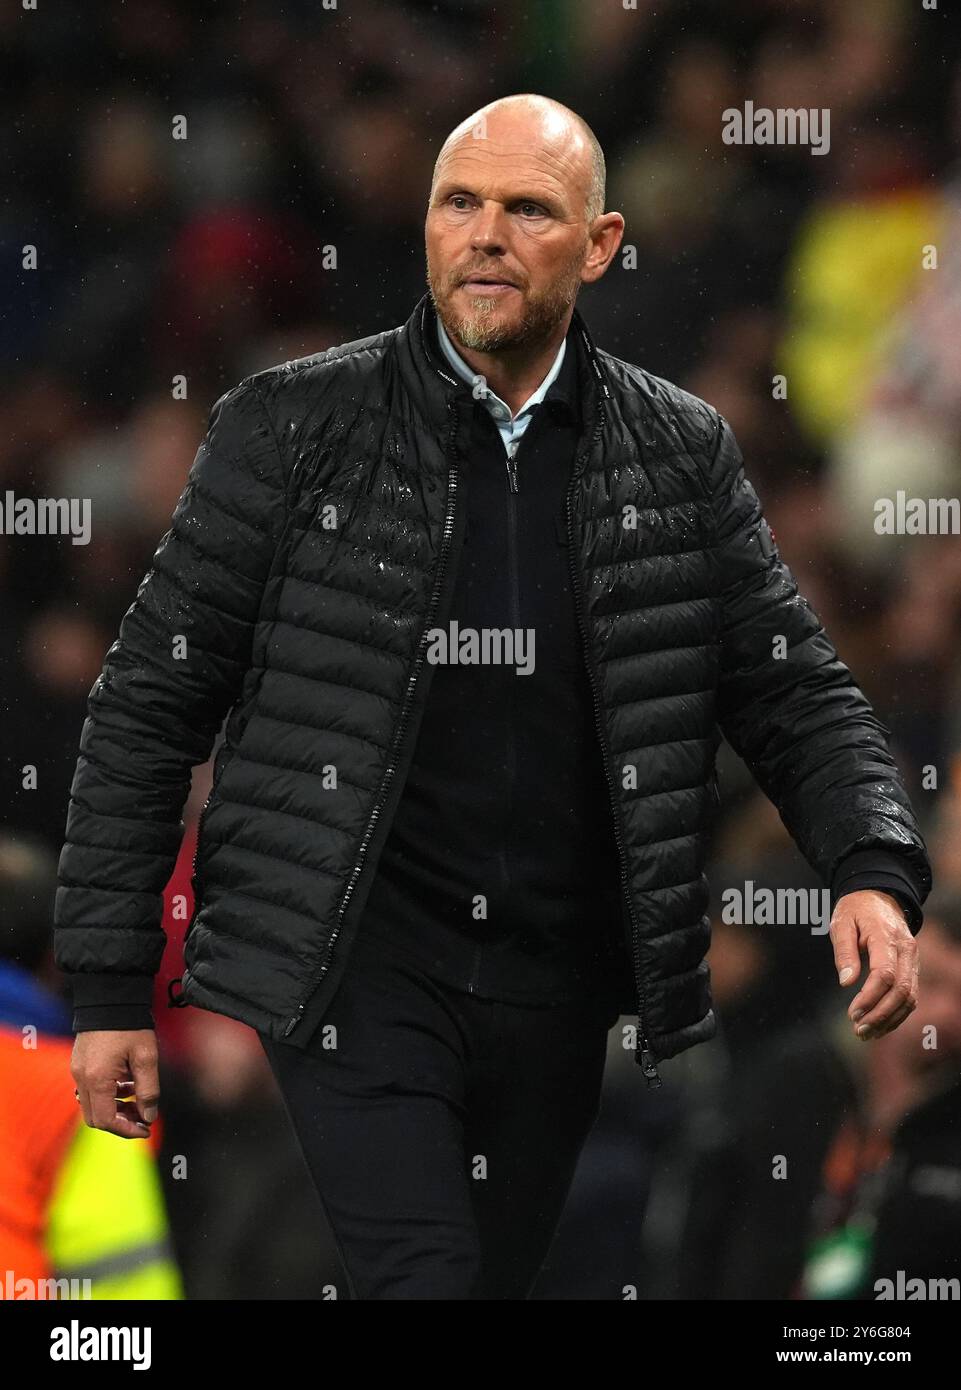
pixel 107 1063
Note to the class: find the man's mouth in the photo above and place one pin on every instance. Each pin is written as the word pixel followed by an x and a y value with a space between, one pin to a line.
pixel 484 284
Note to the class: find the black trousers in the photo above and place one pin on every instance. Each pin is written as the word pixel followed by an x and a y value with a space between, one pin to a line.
pixel 441 1130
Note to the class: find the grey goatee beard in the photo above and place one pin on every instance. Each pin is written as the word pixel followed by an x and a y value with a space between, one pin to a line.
pixel 479 329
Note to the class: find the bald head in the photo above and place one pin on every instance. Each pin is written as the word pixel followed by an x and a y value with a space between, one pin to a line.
pixel 527 120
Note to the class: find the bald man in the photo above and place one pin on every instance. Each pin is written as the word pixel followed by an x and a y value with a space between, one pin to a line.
pixel 478 600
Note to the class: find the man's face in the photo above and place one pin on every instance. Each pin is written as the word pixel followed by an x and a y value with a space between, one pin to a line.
pixel 506 209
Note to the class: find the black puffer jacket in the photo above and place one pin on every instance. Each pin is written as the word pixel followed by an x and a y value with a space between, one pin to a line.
pixel 311 551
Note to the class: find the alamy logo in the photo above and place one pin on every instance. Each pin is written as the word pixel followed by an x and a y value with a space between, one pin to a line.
pixel 759 125
pixel 902 515
pixel 13 1287
pixel 46 516
pixel 788 907
pixel 486 646
pixel 76 1343
pixel 905 1289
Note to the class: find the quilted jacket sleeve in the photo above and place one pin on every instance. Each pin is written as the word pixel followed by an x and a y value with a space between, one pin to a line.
pixel 799 720
pixel 155 711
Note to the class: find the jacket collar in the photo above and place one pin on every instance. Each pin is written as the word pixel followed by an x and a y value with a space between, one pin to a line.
pixel 433 386
pixel 557 388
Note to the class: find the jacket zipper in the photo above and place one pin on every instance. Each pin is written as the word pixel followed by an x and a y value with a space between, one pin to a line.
pixel 643 1053
pixel 511 773
pixel 398 732
pixel 513 489
pixel 512 467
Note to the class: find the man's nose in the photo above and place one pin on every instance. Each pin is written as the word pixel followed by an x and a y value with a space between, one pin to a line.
pixel 488 228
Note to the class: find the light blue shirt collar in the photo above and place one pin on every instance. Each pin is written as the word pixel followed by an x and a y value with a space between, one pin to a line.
pixel 499 409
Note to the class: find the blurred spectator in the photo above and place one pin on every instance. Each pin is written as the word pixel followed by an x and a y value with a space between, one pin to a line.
pixel 868 1139
pixel 63 1184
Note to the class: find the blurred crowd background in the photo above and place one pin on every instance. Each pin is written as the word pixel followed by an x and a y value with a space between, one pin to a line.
pixel 310 128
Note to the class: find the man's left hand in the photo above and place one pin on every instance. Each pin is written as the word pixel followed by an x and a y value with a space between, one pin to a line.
pixel 873 921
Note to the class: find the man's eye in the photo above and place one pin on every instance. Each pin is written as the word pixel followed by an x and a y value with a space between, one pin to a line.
pixel 536 207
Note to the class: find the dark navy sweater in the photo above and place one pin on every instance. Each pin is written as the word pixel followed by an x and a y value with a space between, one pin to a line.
pixel 500 873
